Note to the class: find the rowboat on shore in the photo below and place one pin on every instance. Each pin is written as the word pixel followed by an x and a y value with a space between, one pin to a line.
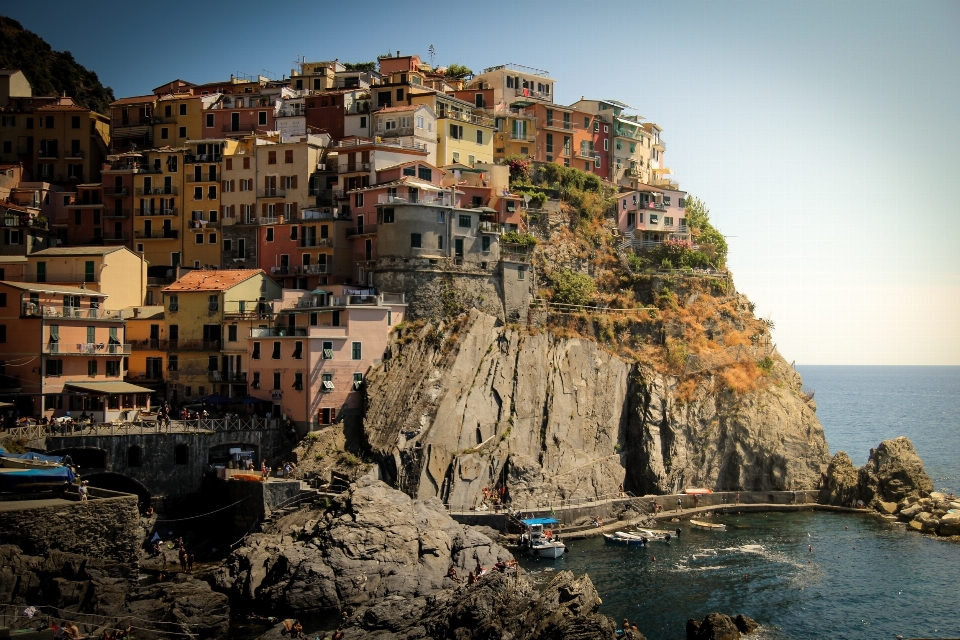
pixel 708 526
pixel 622 537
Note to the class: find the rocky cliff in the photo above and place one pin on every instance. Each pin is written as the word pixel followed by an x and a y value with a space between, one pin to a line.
pixel 467 405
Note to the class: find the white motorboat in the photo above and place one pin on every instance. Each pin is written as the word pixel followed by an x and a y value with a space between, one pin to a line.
pixel 541 541
pixel 622 537
pixel 656 534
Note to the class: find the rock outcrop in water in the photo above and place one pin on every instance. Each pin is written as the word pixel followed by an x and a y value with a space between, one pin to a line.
pixel 451 412
pixel 375 543
pixel 718 626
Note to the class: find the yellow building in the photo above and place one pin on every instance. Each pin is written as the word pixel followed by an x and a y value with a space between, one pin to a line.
pixel 516 133
pixel 465 134
pixel 115 271
pixel 196 308
pixel 178 118
pixel 146 333
pixel 158 214
pixel 204 182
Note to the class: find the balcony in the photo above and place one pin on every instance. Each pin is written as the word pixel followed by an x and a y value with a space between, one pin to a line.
pixel 490 227
pixel 461 116
pixel 626 133
pixel 236 254
pixel 364 230
pixel 271 193
pixel 162 234
pixel 47 154
pixel 133 122
pixel 300 270
pixel 84 205
pixel 659 143
pixel 143 376
pixel 277 332
pixel 316 242
pixel 586 154
pixel 86 349
pixel 564 125
pixel 114 213
pixel 115 192
pixel 158 191
pixel 443 200
pixel 192 158
pixel 323 302
pixel 654 206
pixel 396 132
pixel 193 345
pixel 110 238
pixel 241 129
pixel 210 177
pixel 31 310
pixel 531 93
pixel 351 167
pixel 517 136
pixel 157 212
pixel 227 376
pixel 159 281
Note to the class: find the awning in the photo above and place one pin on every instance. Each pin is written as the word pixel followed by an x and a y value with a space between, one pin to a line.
pixel 543 521
pixel 108 387
pixel 520 104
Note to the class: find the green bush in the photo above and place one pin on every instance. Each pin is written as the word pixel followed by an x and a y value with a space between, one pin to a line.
pixel 572 288
pixel 515 237
pixel 765 364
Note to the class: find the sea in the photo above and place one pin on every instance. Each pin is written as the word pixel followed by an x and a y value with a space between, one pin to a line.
pixel 810 574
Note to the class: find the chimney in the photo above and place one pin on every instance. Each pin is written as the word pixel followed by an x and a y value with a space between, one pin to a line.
pixel 398 53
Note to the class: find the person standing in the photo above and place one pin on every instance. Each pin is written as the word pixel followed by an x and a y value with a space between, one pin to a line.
pixel 679 503
pixel 82 490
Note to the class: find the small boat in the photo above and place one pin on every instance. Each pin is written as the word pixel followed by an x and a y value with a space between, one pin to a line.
pixel 656 534
pixel 697 491
pixel 708 526
pixel 622 537
pixel 542 542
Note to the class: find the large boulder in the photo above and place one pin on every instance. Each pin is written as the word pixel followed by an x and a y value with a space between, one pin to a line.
pixel 373 543
pixel 715 626
pixel 893 472
pixel 500 605
pixel 839 486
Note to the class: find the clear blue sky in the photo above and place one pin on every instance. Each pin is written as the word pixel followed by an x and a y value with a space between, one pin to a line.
pixel 824 136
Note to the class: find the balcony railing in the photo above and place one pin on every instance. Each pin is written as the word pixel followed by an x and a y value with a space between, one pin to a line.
pixel 531 93
pixel 245 129
pixel 115 192
pixel 193 345
pixel 444 200
pixel 192 158
pixel 564 125
pixel 522 137
pixel 227 376
pixel 173 211
pixel 353 166
pixel 300 270
pixel 169 234
pixel 316 242
pixel 133 166
pixel 392 142
pixel 31 310
pixel 462 116
pixel 277 332
pixel 109 238
pixel 236 254
pixel 144 376
pixel 209 177
pixel 87 348
pixel 653 206
pixel 586 153
pixel 48 154
pixel 626 133
pixel 133 122
pixel 271 193
pixel 365 230
pixel 158 191
pixel 114 213
pixel 158 281
pixel 75 153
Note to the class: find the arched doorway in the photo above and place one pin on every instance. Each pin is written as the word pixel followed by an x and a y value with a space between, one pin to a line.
pixel 84 457
pixel 119 482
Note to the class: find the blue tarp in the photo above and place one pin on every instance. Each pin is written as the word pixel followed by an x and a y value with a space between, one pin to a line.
pixel 10 480
pixel 30 455
pixel 530 521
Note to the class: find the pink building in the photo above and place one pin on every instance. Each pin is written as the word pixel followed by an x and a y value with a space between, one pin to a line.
pixel 62 351
pixel 311 365
pixel 651 215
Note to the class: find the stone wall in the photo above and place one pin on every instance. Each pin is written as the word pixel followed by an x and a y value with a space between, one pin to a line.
pixel 158 472
pixel 247 503
pixel 107 526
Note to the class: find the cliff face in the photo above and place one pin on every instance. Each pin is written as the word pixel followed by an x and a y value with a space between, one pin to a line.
pixel 454 410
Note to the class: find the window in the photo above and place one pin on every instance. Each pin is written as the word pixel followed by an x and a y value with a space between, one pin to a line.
pixel 399 94
pixel 596 160
pixel 357 381
pixel 74 122
pixel 173 363
pixel 271 157
pixel 213 302
pixel 276 380
pixel 209 123
pixel 183 108
pixel 387 215
pixel 549 143
pixel 276 351
pixel 456 131
pixel 463 220
pixel 419 121
pixel 212 192
pixel 269 234
pixel 298 350
pixel 53 367
pixel 246 163
pixel 255 383
pixel 3 299
pixel 262 119
pixel 181 454
pixel 256 351
pixel 198 193
pixel 358 199
pixel 326 382
pixel 182 132
pixel 3 333
pixel 198 238
pixel 298 381
pixel 415 240
pixel 211 363
pixel 288 156
pixel 231 333
pixel 92 368
pixel 164 133
pixel 485 243
pixel 113 368
pixel 479 136
pixel 521 273
pixel 356 351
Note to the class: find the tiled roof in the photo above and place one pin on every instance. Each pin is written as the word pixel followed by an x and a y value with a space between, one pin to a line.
pixel 133 100
pixel 77 251
pixel 12 259
pixel 61 107
pixel 52 288
pixel 211 279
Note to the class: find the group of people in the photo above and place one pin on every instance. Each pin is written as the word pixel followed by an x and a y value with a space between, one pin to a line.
pixel 116 634
pixel 495 498
pixel 628 630
pixel 185 557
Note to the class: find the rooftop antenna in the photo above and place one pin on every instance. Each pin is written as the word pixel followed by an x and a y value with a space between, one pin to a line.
pixel 432 52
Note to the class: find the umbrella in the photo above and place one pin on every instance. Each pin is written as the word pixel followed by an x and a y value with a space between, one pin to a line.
pixel 6 404
pixel 249 400
pixel 215 399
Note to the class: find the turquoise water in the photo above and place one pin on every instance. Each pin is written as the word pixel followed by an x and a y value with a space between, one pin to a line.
pixel 894 582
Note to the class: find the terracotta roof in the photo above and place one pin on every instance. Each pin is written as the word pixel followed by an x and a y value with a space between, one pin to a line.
pixel 410 107
pixel 61 107
pixel 211 279
pixel 12 259
pixel 134 100
pixel 11 166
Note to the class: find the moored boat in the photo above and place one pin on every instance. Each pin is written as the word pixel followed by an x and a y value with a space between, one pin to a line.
pixel 708 526
pixel 542 542
pixel 622 537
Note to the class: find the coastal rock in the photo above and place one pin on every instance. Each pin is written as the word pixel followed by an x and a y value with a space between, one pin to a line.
pixel 911 512
pixel 948 528
pixel 916 525
pixel 373 543
pixel 893 472
pixel 500 605
pixel 839 486
pixel 715 626
pixel 887 507
pixel 563 418
pixel 746 624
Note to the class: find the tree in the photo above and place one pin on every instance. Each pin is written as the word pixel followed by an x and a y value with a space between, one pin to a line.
pixel 360 66
pixel 458 71
pixel 570 287
pixel 711 241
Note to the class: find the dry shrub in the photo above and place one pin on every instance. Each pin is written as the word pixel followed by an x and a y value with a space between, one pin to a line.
pixel 735 338
pixel 686 390
pixel 741 377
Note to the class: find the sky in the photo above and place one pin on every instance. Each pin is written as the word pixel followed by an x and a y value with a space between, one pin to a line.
pixel 823 136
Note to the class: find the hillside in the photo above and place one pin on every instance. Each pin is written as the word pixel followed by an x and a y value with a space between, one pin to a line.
pixel 50 72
